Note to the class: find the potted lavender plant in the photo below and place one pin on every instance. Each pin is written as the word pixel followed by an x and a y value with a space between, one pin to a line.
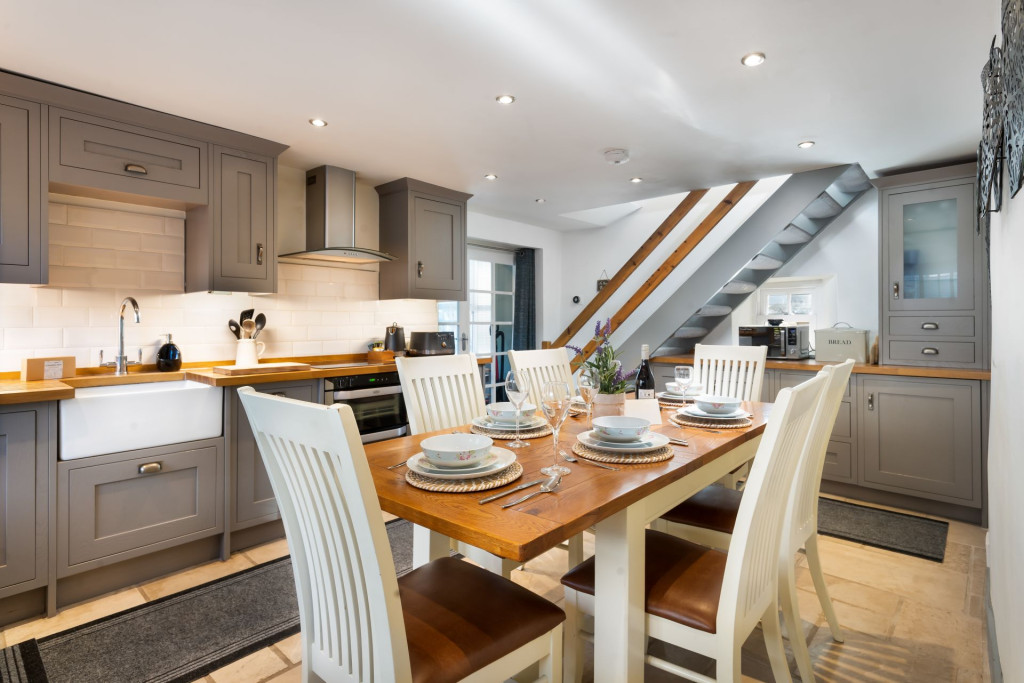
pixel 606 369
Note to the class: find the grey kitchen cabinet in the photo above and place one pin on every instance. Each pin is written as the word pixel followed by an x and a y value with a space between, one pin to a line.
pixel 252 496
pixel 115 507
pixel 24 256
pixel 922 437
pixel 424 226
pixel 933 298
pixel 24 496
pixel 93 152
pixel 229 243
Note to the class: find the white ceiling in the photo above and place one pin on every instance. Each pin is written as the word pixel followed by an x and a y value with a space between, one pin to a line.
pixel 408 86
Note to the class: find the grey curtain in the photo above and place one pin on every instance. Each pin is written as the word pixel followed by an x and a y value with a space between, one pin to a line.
pixel 524 328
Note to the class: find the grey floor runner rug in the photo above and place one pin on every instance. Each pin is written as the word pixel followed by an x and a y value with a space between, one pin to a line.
pixel 907 534
pixel 181 637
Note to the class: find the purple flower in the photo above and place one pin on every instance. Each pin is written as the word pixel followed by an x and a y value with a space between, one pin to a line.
pixel 597 328
pixel 599 350
pixel 607 326
pixel 575 349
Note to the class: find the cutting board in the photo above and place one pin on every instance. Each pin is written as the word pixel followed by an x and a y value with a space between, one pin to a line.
pixel 258 369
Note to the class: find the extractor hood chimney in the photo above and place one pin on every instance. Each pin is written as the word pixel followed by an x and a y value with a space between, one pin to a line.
pixel 331 220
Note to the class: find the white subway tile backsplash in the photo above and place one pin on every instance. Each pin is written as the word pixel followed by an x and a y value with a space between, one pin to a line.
pixel 131 221
pixel 16 316
pixel 58 213
pixel 70 235
pixel 164 244
pixel 47 316
pixel 174 282
pixel 88 257
pixel 174 227
pixel 69 277
pixel 32 338
pixel 116 239
pixel 46 296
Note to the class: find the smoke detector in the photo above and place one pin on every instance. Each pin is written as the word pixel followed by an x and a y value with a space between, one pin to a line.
pixel 616 156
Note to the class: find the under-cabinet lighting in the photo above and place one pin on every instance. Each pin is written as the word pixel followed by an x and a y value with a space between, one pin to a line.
pixel 753 59
pixel 318 123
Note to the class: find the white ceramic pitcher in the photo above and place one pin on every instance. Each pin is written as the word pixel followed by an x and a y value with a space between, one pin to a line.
pixel 249 352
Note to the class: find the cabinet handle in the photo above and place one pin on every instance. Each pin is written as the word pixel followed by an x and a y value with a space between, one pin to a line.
pixel 871 401
pixel 419 269
pixel 929 326
pixel 896 290
pixel 259 253
pixel 150 468
pixel 930 351
pixel 135 168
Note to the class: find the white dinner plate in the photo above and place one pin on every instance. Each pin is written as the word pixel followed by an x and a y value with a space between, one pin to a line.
pixel 485 422
pixel 653 442
pixel 673 397
pixel 694 411
pixel 498 460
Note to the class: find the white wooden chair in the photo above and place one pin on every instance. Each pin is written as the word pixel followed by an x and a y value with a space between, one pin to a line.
pixel 540 366
pixel 702 599
pixel 445 621
pixel 736 371
pixel 442 392
pixel 708 518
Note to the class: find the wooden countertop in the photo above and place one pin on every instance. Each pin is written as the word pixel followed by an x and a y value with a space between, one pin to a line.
pixel 207 376
pixel 14 391
pixel 812 365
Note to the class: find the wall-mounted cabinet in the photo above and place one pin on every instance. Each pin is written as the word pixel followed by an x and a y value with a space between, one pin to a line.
pixel 23 201
pixel 933 297
pixel 424 226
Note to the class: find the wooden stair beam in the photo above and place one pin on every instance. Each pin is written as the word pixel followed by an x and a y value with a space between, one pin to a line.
pixel 586 316
pixel 713 218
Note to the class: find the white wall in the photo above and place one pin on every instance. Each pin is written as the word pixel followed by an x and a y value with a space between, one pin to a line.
pixel 1005 447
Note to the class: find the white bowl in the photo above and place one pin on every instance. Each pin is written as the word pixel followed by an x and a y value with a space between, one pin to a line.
pixel 456 450
pixel 717 405
pixel 621 428
pixel 506 412
pixel 692 390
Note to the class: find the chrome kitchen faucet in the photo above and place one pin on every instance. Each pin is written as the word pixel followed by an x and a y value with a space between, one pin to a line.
pixel 121 361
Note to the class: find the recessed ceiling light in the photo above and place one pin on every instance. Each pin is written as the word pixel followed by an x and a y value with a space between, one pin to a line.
pixel 505 99
pixel 806 144
pixel 753 59
pixel 490 176
pixel 636 180
pixel 319 123
pixel 540 200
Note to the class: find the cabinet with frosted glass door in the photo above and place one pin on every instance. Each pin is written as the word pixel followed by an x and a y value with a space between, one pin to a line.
pixel 933 293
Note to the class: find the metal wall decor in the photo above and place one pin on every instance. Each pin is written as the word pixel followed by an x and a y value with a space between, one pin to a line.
pixel 990 149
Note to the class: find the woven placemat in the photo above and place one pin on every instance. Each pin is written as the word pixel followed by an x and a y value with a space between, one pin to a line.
pixel 491 481
pixel 577 409
pixel 664 453
pixel 690 421
pixel 534 433
pixel 673 403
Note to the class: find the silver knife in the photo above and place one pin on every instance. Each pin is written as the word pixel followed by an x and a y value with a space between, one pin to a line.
pixel 527 485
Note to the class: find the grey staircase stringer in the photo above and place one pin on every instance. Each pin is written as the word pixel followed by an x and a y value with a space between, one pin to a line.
pixel 797 212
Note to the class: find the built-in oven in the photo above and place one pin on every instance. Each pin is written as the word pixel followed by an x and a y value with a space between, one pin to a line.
pixel 376 402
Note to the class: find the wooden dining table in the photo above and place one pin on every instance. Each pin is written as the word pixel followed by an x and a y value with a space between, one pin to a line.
pixel 618 505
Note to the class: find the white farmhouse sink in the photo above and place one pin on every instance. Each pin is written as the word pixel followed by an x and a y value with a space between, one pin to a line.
pixel 100 420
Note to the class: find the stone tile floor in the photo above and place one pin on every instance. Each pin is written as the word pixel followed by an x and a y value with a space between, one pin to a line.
pixel 905 619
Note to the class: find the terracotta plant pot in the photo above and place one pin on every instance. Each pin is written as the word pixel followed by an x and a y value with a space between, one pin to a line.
pixel 609 404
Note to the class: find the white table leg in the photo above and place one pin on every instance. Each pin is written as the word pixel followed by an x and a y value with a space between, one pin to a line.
pixel 619 598
pixel 427 545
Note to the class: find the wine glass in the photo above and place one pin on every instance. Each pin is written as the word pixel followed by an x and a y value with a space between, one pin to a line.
pixel 554 401
pixel 684 376
pixel 588 387
pixel 517 388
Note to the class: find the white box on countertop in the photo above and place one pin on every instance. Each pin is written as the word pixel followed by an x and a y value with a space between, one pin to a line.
pixel 838 344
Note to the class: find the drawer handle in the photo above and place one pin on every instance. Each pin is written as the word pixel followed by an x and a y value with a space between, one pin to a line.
pixel 871 401
pixel 896 290
pixel 929 326
pixel 150 468
pixel 419 269
pixel 930 351
pixel 259 253
pixel 136 168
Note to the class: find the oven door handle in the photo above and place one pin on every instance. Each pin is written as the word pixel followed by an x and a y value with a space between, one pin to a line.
pixel 349 394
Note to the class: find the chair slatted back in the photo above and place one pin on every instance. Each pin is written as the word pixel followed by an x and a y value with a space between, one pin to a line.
pixel 350 616
pixel 751 572
pixel 736 371
pixel 804 512
pixel 541 366
pixel 441 391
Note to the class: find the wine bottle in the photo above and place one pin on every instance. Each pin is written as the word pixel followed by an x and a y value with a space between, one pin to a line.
pixel 644 376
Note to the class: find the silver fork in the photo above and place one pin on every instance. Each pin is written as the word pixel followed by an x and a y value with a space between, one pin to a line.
pixel 573 458
pixel 547 487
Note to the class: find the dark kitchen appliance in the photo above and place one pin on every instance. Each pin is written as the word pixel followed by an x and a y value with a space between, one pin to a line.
pixel 394 338
pixel 376 402
pixel 790 342
pixel 431 344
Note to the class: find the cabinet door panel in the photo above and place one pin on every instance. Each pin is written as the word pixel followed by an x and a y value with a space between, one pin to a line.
pixel 440 244
pixel 17 497
pixel 245 212
pixel 23 255
pixel 921 438
pixel 932 326
pixel 932 351
pixel 838 462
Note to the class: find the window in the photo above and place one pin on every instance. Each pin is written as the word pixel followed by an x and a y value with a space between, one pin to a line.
pixel 810 300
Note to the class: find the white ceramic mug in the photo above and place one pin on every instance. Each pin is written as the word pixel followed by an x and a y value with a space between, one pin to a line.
pixel 249 352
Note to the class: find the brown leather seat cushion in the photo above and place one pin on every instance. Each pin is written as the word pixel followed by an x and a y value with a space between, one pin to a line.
pixel 683 580
pixel 460 618
pixel 713 507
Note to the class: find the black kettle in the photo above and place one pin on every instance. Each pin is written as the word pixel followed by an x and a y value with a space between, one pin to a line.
pixel 394 338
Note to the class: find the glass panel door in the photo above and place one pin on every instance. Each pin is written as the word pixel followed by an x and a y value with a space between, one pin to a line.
pixel 931 249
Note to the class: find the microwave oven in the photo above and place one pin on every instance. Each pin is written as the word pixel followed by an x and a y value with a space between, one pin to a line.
pixel 791 342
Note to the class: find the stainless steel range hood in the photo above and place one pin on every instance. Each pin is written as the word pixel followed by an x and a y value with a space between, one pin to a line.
pixel 331 220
